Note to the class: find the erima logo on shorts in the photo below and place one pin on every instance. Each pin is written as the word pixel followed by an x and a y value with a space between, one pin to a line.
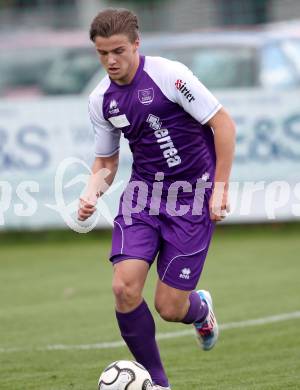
pixel 181 86
pixel 164 140
pixel 185 273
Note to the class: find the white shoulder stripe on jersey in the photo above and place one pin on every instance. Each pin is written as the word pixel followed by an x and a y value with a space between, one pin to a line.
pixel 107 136
pixel 181 86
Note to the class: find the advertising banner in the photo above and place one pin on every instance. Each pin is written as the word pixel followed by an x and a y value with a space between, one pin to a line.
pixel 46 150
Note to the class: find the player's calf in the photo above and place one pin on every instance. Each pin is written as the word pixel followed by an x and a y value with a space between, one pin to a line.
pixel 171 303
pixel 169 313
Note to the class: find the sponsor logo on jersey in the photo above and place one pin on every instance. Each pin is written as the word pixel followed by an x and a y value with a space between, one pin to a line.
pixel 113 107
pixel 181 86
pixel 146 96
pixel 185 273
pixel 165 142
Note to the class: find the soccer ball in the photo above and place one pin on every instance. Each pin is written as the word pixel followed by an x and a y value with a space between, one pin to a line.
pixel 125 375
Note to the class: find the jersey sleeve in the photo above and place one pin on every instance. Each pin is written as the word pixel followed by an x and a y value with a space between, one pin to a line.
pixel 188 91
pixel 181 86
pixel 107 137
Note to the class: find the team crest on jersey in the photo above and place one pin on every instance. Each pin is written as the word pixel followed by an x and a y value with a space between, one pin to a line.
pixel 113 107
pixel 146 96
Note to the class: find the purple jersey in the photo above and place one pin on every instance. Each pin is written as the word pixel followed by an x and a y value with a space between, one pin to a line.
pixel 163 113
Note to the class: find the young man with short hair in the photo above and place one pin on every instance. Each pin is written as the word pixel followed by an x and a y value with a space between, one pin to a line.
pixel 181 140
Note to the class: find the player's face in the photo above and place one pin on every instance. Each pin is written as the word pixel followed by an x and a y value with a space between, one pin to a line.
pixel 118 56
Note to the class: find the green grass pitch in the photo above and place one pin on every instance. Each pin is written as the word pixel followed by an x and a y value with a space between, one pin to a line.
pixel 57 292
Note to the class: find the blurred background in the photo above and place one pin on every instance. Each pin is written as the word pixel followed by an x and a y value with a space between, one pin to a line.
pixel 247 52
pixel 56 308
pixel 155 15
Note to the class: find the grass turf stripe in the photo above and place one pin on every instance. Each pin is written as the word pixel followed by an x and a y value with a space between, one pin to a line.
pixel 160 336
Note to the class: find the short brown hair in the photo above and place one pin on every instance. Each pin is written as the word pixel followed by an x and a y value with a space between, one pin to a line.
pixel 113 21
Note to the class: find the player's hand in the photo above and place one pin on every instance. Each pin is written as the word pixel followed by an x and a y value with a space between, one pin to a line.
pixel 86 209
pixel 219 204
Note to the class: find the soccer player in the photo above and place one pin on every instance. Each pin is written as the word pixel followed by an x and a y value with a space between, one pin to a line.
pixel 181 140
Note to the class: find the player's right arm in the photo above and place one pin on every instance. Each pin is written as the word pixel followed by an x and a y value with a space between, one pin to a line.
pixel 103 173
pixel 107 144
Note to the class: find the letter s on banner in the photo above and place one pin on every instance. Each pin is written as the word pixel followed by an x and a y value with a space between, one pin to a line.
pixel 5 199
pixel 28 200
pixel 32 139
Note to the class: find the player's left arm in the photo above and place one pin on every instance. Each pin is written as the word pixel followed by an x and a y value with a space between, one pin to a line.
pixel 224 137
pixel 187 90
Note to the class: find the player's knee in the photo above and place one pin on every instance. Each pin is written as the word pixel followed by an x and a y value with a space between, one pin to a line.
pixel 167 312
pixel 125 292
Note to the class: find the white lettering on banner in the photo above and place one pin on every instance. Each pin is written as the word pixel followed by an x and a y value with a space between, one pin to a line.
pixel 23 190
pixel 5 199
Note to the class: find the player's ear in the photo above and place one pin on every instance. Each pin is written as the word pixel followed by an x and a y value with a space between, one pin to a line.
pixel 137 43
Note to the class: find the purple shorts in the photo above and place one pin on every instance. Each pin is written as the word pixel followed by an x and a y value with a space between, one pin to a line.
pixel 180 242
